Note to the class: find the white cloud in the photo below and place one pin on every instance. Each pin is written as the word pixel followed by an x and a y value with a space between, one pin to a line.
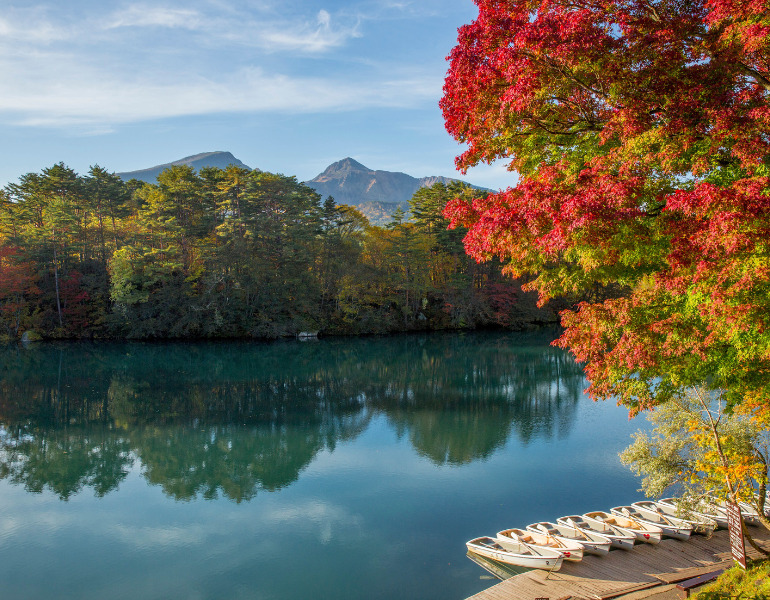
pixel 140 15
pixel 65 93
pixel 215 26
pixel 96 72
pixel 310 37
pixel 30 27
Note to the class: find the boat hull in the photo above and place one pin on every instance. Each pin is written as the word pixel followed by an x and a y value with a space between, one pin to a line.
pixel 500 554
pixel 706 510
pixel 670 529
pixel 511 538
pixel 624 542
pixel 642 532
pixel 592 543
pixel 749 515
pixel 700 522
pixel 705 528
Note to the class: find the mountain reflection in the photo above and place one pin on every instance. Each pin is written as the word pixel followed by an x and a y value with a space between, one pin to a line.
pixel 234 419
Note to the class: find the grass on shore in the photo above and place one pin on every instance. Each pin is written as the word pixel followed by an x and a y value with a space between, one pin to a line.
pixel 735 582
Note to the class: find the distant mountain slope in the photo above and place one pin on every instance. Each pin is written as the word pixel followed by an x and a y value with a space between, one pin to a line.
pixel 350 182
pixel 377 194
pixel 197 161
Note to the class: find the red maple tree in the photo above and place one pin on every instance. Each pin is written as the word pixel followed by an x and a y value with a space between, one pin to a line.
pixel 640 130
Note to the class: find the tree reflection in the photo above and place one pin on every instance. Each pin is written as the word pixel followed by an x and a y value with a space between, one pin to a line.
pixel 204 420
pixel 236 461
pixel 65 460
pixel 455 416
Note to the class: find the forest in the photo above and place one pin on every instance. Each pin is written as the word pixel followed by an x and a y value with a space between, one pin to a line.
pixel 232 253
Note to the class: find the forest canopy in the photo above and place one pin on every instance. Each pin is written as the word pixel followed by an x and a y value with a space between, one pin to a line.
pixel 232 253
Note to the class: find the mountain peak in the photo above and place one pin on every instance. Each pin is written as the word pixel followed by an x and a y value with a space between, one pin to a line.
pixel 218 159
pixel 204 155
pixel 346 164
pixel 377 193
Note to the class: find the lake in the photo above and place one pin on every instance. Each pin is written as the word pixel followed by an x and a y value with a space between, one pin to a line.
pixel 329 469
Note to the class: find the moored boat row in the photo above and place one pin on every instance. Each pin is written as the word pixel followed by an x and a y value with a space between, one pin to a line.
pixel 545 545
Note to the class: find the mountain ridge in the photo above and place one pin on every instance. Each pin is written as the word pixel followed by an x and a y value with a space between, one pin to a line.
pixel 217 158
pixel 376 193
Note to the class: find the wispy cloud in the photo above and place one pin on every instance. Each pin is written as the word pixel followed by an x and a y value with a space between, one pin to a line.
pixel 311 37
pixel 257 27
pixel 93 99
pixel 141 15
pixel 101 70
pixel 31 26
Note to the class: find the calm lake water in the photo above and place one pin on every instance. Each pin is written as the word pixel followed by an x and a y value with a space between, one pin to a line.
pixel 334 469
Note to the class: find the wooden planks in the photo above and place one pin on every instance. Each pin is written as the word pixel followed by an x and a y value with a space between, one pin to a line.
pixel 695 572
pixel 686 586
pixel 621 572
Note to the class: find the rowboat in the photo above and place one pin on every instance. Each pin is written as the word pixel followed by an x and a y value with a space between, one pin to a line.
pixel 520 555
pixel 568 549
pixel 618 539
pixel 749 514
pixel 651 534
pixel 671 527
pixel 766 504
pixel 702 525
pixel 700 509
pixel 593 543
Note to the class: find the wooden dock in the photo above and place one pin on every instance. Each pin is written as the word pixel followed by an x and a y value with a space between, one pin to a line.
pixel 623 572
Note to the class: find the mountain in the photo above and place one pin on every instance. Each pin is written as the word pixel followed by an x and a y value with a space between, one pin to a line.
pixel 206 159
pixel 377 194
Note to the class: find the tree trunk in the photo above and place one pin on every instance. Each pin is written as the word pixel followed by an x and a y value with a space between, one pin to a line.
pixel 56 280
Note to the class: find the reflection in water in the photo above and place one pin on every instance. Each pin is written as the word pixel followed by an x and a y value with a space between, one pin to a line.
pixel 66 459
pixel 499 570
pixel 233 419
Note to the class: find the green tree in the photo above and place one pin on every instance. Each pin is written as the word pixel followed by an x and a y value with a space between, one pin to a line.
pixel 153 275
pixel 407 255
pixel 342 230
pixel 706 451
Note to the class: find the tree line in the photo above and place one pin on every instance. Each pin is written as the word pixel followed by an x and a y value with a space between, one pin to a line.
pixel 233 253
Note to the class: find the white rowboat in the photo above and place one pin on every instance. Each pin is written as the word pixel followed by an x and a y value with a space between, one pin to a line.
pixel 643 532
pixel 749 515
pixel 593 543
pixel 671 527
pixel 702 525
pixel 700 510
pixel 569 550
pixel 522 556
pixel 618 539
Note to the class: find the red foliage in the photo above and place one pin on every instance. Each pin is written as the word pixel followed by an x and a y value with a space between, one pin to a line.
pixel 501 298
pixel 17 287
pixel 640 130
pixel 75 302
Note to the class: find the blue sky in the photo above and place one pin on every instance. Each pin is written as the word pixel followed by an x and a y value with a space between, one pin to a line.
pixel 287 86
